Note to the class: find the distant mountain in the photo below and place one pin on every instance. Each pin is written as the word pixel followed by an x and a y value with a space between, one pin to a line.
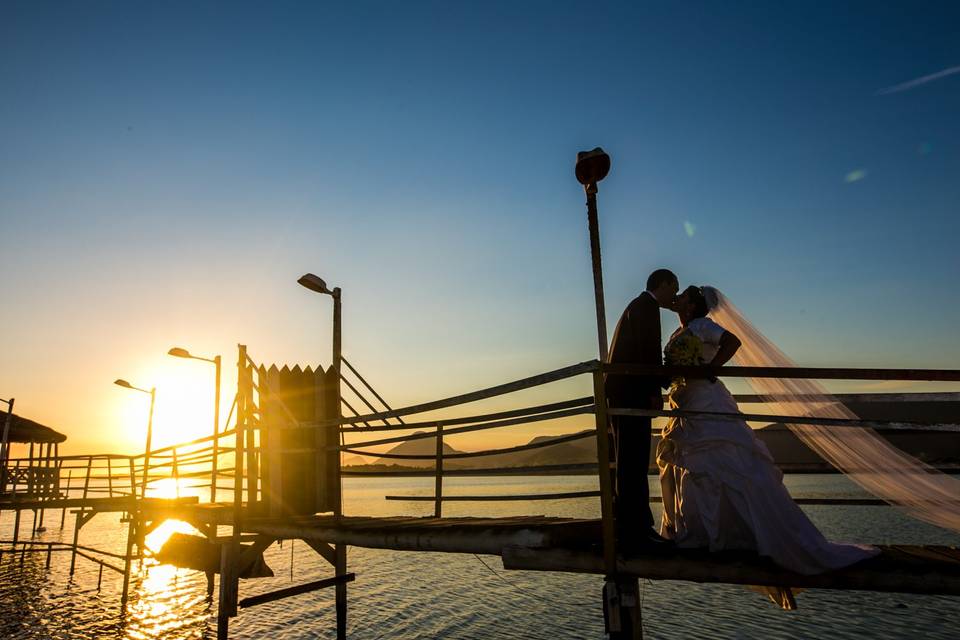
pixel 423 446
pixel 938 448
pixel 576 452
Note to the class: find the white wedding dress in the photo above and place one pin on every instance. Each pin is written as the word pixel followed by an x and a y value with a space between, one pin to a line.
pixel 721 488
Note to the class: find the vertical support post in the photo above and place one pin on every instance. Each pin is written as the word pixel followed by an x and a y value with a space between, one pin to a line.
pixel 76 540
pixel 216 431
pixel 128 556
pixel 31 473
pixel 176 474
pixel 438 483
pixel 340 550
pixel 5 445
pixel 109 476
pixel 336 294
pixel 63 511
pixel 229 578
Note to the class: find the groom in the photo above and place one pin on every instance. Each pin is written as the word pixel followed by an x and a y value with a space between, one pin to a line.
pixel 637 341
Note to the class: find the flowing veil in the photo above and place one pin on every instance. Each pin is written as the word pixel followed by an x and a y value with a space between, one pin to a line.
pixel 858 451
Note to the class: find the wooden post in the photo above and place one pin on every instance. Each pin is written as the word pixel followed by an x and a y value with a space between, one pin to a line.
pixel 109 477
pixel 621 609
pixel 176 474
pixel 438 483
pixel 5 446
pixel 63 511
pixel 229 553
pixel 76 540
pixel 128 556
pixel 229 590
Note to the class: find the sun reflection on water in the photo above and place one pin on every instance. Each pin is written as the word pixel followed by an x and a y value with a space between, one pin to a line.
pixel 162 594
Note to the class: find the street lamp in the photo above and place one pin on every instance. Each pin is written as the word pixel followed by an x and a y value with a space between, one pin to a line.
pixel 179 352
pixel 317 284
pixel 120 382
pixel 591 168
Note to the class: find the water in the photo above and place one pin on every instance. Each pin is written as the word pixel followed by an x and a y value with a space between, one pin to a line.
pixel 432 595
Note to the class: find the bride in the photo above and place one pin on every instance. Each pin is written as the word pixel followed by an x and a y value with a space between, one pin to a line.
pixel 721 488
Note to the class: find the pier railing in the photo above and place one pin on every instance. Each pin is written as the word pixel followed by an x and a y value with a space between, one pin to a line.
pixel 439 429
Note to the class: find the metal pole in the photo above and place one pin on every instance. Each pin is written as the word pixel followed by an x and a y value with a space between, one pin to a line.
pixel 340 550
pixel 592 220
pixel 146 454
pixel 216 431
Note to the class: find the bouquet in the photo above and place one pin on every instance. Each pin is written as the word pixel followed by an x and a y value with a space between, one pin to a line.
pixel 684 350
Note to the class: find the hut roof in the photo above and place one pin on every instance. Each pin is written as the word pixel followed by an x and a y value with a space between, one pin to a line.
pixel 24 430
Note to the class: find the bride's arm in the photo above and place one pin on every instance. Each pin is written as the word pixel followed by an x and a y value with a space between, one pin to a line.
pixel 729 344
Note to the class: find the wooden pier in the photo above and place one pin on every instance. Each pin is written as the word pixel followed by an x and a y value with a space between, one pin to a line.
pixel 280 463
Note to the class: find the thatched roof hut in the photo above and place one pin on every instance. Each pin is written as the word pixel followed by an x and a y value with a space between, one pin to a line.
pixel 24 430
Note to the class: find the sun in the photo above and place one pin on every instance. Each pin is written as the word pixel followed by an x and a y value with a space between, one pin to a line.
pixel 184 402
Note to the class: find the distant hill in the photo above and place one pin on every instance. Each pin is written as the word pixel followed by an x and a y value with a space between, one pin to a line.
pixel 938 448
pixel 423 446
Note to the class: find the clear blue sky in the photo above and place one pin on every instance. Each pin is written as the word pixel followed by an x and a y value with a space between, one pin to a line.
pixel 168 170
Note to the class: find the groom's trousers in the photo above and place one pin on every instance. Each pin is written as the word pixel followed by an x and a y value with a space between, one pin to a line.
pixel 632 501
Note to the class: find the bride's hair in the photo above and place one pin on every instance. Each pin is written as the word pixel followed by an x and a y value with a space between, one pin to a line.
pixel 695 295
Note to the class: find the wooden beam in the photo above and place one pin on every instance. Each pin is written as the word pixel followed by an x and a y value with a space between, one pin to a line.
pixel 327 552
pixel 513 413
pixel 890 425
pixel 787 373
pixel 898 569
pixel 264 598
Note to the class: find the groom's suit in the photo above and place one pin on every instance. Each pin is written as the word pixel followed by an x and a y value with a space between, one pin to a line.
pixel 635 341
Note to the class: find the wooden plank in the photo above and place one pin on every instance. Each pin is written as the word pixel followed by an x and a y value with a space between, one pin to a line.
pixel 280 594
pixel 893 571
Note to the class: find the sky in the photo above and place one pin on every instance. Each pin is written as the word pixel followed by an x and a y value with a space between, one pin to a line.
pixel 168 170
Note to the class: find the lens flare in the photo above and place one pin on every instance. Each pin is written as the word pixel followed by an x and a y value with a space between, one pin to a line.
pixel 690 228
pixel 856 175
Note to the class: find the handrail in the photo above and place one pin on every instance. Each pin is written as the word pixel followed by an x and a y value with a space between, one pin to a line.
pixel 763 417
pixel 474 396
pixel 513 413
pixel 787 373
pixel 477 427
pixel 477 454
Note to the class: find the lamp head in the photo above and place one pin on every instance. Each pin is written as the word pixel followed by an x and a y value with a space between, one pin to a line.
pixel 592 166
pixel 314 283
pixel 179 353
pixel 120 382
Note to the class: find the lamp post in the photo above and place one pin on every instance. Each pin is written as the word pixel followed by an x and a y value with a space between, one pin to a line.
pixel 591 168
pixel 183 353
pixel 317 285
pixel 146 455
pixel 620 593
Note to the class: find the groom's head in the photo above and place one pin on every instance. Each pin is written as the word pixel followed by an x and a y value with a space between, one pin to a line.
pixel 664 285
